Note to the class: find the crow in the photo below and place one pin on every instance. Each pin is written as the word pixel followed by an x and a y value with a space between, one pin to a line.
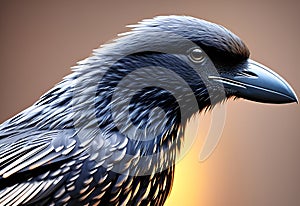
pixel 110 132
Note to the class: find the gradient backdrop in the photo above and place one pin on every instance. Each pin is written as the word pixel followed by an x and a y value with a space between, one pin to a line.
pixel 257 160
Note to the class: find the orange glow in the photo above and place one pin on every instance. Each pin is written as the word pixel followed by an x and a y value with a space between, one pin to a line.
pixel 190 182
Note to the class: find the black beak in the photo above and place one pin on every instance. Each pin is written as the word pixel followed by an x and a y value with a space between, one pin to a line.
pixel 257 83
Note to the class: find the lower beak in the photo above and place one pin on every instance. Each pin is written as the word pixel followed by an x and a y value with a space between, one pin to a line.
pixel 258 83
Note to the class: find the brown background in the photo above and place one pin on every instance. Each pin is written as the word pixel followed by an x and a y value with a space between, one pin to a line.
pixel 257 161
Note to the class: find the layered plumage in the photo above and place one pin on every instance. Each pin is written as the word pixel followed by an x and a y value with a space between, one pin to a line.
pixel 109 133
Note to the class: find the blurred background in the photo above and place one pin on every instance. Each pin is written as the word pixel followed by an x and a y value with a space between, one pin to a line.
pixel 257 160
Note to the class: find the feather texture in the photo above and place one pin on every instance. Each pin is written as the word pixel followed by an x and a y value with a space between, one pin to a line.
pixel 110 132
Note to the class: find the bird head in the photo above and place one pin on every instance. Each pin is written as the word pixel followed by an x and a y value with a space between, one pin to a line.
pixel 211 60
pixel 214 49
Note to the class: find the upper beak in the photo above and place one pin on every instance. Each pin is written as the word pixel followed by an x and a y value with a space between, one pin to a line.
pixel 258 83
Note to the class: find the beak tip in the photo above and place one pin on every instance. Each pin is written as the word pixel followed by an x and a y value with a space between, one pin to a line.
pixel 296 99
pixel 293 95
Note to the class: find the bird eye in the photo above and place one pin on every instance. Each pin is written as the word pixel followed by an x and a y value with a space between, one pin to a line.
pixel 197 55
